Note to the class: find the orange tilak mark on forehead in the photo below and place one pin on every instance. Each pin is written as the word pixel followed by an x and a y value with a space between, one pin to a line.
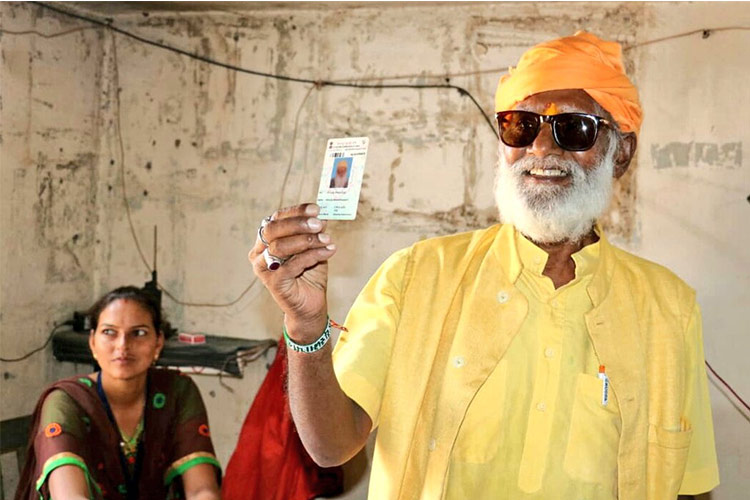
pixel 551 109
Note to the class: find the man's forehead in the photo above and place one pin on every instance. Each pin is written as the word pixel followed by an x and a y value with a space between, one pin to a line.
pixel 559 101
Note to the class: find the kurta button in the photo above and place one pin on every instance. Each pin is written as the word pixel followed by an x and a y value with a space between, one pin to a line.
pixel 549 352
pixel 431 445
pixel 459 361
pixel 541 406
pixel 503 296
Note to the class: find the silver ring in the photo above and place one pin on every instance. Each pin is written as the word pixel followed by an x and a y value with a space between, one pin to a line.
pixel 272 262
pixel 263 223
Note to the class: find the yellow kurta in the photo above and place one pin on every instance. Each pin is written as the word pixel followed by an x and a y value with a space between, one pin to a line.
pixel 544 430
pixel 449 322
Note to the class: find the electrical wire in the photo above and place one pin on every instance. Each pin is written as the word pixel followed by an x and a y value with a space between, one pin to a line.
pixel 34 351
pixel 742 401
pixel 315 84
pixel 239 69
pixel 705 33
pixel 50 35
pixel 357 83
pixel 121 148
pixel 126 202
pixel 294 140
pixel 245 358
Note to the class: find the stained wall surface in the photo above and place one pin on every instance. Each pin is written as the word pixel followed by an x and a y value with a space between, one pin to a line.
pixel 96 126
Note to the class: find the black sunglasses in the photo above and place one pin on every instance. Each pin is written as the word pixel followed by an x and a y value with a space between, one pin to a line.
pixel 571 131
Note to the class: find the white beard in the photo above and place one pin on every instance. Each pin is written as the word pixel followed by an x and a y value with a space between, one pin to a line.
pixel 551 214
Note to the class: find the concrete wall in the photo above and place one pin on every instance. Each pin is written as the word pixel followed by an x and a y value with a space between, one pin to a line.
pixel 49 172
pixel 205 154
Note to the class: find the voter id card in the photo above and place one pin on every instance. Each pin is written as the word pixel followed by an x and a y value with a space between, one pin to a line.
pixel 341 180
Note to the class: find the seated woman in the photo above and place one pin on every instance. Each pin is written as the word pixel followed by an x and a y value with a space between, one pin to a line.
pixel 128 431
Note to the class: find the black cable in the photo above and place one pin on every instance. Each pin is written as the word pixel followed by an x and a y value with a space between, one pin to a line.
pixel 706 32
pixel 46 342
pixel 127 203
pixel 321 83
pixel 728 386
pixel 316 83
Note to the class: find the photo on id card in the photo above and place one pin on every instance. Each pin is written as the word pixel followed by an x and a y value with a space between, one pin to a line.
pixel 341 179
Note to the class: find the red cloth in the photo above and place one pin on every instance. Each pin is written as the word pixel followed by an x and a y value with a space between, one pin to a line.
pixel 270 462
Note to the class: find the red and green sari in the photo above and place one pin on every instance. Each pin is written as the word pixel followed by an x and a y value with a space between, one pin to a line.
pixel 71 427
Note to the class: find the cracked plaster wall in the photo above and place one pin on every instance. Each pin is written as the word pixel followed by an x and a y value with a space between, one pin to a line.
pixel 48 178
pixel 206 151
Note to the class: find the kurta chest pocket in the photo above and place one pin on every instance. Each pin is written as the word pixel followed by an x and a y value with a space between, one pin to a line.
pixel 480 433
pixel 594 435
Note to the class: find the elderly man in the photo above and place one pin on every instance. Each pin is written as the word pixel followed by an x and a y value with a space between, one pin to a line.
pixel 341 179
pixel 529 360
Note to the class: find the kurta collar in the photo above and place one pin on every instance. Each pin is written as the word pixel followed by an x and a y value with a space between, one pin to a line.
pixel 515 252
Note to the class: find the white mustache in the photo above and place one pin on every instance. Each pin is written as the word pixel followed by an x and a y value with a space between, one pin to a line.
pixel 529 163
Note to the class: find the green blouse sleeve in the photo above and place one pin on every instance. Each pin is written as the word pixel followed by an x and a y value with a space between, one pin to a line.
pixel 62 409
pixel 192 437
pixel 62 425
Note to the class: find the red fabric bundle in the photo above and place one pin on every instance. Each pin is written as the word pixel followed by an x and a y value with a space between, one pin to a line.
pixel 269 462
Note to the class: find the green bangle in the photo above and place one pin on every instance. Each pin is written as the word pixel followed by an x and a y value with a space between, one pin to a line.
pixel 308 348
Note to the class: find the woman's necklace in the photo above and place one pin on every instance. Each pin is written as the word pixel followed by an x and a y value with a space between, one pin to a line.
pixel 131 465
pixel 129 445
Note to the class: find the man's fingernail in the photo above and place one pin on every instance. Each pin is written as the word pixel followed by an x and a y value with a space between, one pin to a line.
pixel 314 223
pixel 331 247
pixel 311 209
pixel 324 237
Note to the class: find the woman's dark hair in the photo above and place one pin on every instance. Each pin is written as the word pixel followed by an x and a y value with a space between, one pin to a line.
pixel 143 297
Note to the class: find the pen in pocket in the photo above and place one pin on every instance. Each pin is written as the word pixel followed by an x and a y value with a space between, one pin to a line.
pixel 605 385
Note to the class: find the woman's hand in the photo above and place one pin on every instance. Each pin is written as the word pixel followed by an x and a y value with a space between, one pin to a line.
pixel 299 285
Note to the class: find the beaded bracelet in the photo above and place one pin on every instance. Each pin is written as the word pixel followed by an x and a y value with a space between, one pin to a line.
pixel 308 348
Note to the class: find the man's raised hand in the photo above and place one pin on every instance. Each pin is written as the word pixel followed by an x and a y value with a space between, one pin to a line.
pixel 296 239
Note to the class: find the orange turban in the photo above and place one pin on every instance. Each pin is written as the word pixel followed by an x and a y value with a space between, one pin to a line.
pixel 582 61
